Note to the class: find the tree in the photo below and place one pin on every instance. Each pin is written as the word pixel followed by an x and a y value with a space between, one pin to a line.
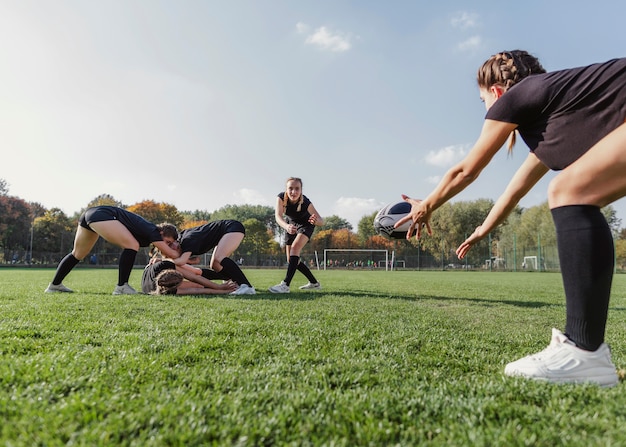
pixel 536 226
pixel 15 222
pixel 620 253
pixel 4 187
pixel 190 217
pixel 241 213
pixel 611 217
pixel 105 200
pixel 335 222
pixel 258 240
pixel 365 227
pixel 53 232
pixel 451 224
pixel 157 213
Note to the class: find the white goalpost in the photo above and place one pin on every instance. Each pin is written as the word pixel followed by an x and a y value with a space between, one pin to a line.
pixel 360 251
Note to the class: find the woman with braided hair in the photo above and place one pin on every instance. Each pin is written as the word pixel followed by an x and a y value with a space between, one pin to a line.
pixel 573 121
pixel 163 277
pixel 296 214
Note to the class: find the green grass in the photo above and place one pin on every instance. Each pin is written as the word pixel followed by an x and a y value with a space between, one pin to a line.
pixel 375 358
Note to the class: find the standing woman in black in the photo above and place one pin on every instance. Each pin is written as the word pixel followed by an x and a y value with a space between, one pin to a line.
pixel 296 214
pixel 573 122
pixel 119 227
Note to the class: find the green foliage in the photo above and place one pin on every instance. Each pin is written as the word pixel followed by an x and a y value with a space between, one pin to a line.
pixel 365 227
pixel 452 223
pixel 4 187
pixel 375 358
pixel 335 222
pixel 15 222
pixel 104 200
pixel 54 232
pixel 258 239
pixel 264 214
pixel 157 212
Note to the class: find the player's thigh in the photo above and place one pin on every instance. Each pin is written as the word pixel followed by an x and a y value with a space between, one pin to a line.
pixel 84 241
pixel 597 178
pixel 227 245
pixel 298 244
pixel 116 233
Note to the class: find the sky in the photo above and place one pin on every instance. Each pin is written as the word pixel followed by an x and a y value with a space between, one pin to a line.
pixel 201 104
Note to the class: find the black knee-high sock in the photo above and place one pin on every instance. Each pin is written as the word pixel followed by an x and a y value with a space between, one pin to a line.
pixel 291 268
pixel 232 270
pixel 586 254
pixel 127 260
pixel 306 272
pixel 64 268
pixel 212 275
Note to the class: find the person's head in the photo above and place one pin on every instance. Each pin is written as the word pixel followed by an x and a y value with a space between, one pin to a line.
pixel 167 282
pixel 169 233
pixel 502 71
pixel 293 192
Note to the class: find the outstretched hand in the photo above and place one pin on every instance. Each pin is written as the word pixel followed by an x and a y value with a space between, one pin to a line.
pixel 475 237
pixel 419 215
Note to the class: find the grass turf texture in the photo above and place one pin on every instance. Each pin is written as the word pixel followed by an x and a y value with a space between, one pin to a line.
pixel 375 358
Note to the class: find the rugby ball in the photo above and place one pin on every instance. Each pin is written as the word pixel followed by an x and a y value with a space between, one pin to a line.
pixel 387 218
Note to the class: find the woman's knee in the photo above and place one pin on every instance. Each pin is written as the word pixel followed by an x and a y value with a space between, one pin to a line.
pixel 216 264
pixel 564 190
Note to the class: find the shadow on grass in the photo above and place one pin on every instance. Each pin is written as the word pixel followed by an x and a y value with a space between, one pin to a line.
pixel 309 296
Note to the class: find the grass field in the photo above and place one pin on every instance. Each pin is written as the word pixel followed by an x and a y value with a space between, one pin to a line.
pixel 375 358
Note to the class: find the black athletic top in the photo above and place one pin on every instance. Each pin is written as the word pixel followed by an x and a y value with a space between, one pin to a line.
pixel 201 239
pixel 151 271
pixel 145 232
pixel 562 114
pixel 293 216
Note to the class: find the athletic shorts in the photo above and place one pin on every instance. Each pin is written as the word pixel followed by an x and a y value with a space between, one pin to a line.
pixel 307 230
pixel 95 215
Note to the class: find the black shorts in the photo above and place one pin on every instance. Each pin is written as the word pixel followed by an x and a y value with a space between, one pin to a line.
pixel 95 215
pixel 307 230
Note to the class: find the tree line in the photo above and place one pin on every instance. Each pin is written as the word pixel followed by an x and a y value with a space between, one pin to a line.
pixel 30 233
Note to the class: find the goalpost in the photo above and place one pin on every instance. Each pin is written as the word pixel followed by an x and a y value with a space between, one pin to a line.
pixel 363 250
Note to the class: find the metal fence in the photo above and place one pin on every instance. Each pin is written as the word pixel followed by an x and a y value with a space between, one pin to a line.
pixel 543 258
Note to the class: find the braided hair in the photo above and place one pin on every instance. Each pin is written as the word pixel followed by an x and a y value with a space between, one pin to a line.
pixel 286 197
pixel 505 69
pixel 167 282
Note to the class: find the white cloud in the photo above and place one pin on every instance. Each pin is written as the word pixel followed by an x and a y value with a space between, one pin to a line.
pixel 433 179
pixel 325 39
pixel 446 156
pixel 470 44
pixel 251 196
pixel 302 28
pixel 465 20
pixel 354 208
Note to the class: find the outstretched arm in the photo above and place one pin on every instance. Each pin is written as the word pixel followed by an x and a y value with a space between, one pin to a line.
pixel 194 274
pixel 491 139
pixel 524 179
pixel 315 217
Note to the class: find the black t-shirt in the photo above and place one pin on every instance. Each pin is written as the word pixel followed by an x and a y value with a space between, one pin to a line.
pixel 201 239
pixel 292 214
pixel 562 114
pixel 151 271
pixel 143 231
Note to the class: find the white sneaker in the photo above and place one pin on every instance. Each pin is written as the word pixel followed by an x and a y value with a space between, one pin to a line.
pixel 124 290
pixel 57 288
pixel 563 362
pixel 244 289
pixel 311 285
pixel 280 288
